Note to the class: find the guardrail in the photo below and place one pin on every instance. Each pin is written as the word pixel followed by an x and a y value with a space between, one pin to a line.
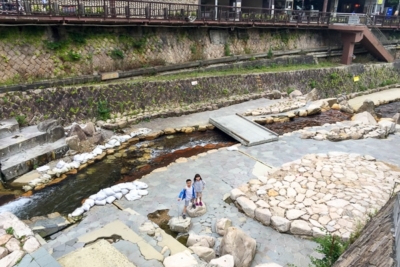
pixel 131 11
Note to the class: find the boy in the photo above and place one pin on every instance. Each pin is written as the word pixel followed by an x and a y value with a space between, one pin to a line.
pixel 188 195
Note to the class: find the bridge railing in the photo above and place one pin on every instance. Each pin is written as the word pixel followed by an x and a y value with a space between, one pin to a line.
pixel 146 11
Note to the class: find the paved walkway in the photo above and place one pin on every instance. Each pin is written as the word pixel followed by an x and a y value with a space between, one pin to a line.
pixel 382 96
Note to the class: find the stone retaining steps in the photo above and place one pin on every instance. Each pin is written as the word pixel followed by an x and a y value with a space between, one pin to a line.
pixel 142 246
pixel 23 148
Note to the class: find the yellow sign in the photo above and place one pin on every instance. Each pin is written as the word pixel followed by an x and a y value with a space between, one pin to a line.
pixel 356 78
pixel 379 2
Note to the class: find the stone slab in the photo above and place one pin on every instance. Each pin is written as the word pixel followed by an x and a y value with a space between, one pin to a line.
pixel 119 228
pixel 8 127
pixel 245 131
pixel 99 254
pixel 170 242
pixel 23 162
pixel 109 75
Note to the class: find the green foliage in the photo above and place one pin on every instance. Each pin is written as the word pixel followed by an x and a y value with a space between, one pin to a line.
pixel 196 51
pixel 334 76
pixel 388 82
pixel 21 119
pixel 313 84
pixel 117 54
pixel 331 247
pixel 103 110
pixel 10 231
pixel 270 54
pixel 74 110
pixel 56 45
pixel 71 56
pixel 78 38
pixel 289 90
pixel 227 50
pixel 225 91
pixel 247 50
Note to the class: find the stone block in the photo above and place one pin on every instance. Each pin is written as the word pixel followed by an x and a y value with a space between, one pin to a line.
pixel 109 75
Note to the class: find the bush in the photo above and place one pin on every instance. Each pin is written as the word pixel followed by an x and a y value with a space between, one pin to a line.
pixel 227 50
pixel 270 54
pixel 117 54
pixel 331 247
pixel 103 110
pixel 21 119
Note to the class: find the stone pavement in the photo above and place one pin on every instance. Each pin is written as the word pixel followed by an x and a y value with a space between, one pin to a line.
pixel 378 98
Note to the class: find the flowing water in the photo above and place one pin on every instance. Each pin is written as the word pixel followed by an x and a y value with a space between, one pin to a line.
pixel 125 165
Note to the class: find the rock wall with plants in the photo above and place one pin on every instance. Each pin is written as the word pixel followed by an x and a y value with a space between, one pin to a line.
pixel 142 100
pixel 30 53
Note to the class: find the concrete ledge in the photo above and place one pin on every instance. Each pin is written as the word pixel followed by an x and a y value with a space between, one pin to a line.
pixel 109 76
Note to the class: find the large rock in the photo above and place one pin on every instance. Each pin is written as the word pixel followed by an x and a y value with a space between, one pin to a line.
pixel 396 118
pixel 242 247
pixel 148 228
pixel 365 118
pixel 197 211
pixel 345 107
pixel 388 126
pixel 180 225
pixel 280 224
pixel 77 130
pixel 31 245
pixel 13 245
pixel 200 240
pixel 263 216
pixel 3 252
pixel 222 225
pixel 55 133
pixel 295 94
pixel 294 214
pixel 204 253
pixel 11 259
pixel 235 193
pixel 224 261
pixel 313 109
pixel 73 142
pixel 368 105
pixel 7 220
pixel 181 259
pixel 313 95
pixel 45 125
pixel 247 205
pixel 300 227
pixel 96 139
pixel 89 129
pixel 275 94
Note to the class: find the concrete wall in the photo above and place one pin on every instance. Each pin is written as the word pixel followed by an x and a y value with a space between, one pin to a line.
pixel 28 54
pixel 138 99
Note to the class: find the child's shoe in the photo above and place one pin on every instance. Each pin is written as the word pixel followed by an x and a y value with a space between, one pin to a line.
pixel 197 203
pixel 184 216
pixel 193 206
pixel 201 203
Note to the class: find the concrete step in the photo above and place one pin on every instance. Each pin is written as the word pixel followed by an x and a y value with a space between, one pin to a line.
pixel 39 258
pixel 27 159
pixel 26 138
pixel 8 128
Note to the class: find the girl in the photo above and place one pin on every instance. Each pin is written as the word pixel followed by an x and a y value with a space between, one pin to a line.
pixel 198 185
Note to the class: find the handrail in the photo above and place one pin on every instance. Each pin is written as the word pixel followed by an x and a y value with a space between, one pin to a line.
pixel 176 12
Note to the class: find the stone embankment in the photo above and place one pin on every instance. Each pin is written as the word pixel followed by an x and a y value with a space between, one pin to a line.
pixel 319 193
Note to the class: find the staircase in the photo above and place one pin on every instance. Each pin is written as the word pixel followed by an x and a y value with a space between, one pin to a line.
pixel 22 149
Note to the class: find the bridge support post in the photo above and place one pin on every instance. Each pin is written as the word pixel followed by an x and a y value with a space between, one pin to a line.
pixel 349 39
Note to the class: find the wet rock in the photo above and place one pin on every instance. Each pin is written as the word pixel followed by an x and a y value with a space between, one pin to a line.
pixel 368 105
pixel 222 225
pixel 169 131
pixel 280 224
pixel 89 129
pixel 179 225
pixel 224 261
pixel 313 95
pixel 11 259
pixel 47 124
pixel 242 247
pixel 204 253
pixel 335 106
pixel 152 135
pixel 300 227
pixel 77 130
pixel 181 259
pixel 295 94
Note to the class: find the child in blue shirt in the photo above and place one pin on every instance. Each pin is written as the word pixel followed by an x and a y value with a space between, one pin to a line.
pixel 188 195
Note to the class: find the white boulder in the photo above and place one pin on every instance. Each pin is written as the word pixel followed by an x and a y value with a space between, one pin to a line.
pixel 181 259
pixel 235 193
pixel 238 244
pixel 280 224
pixel 224 261
pixel 197 211
pixel 180 225
pixel 263 216
pixel 247 205
pixel 200 240
pixel 204 253
pixel 300 227
pixel 222 225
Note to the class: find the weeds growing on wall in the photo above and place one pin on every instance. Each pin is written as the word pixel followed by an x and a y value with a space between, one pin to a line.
pixel 331 247
pixel 227 50
pixel 117 53
pixel 103 110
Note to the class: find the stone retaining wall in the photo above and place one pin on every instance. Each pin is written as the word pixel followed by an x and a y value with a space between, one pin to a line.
pixel 135 101
pixel 28 54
